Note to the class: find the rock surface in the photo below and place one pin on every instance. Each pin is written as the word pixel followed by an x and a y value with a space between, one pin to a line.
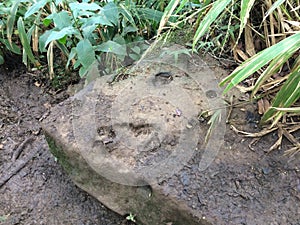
pixel 142 152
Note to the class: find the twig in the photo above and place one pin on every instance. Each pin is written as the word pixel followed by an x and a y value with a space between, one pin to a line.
pixel 18 165
pixel 20 148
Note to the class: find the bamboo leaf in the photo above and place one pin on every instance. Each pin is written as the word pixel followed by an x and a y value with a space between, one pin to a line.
pixel 246 6
pixel 273 7
pixel 167 13
pixel 274 66
pixel 288 95
pixel 259 60
pixel 290 110
pixel 217 8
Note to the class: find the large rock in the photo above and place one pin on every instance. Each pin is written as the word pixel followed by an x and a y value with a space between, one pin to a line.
pixel 121 141
pixel 139 146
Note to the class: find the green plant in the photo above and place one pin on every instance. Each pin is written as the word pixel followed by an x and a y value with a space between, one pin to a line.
pixel 222 22
pixel 131 217
pixel 83 31
pixel 7 10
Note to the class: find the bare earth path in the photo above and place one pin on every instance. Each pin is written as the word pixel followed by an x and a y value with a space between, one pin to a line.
pixel 33 187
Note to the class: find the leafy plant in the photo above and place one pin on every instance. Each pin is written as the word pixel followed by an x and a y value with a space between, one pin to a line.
pixel 7 10
pixel 83 31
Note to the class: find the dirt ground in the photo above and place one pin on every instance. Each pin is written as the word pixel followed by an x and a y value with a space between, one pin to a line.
pixel 34 189
pixel 39 192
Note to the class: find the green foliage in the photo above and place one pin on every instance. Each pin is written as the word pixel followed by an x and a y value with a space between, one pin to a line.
pixel 84 31
pixel 225 22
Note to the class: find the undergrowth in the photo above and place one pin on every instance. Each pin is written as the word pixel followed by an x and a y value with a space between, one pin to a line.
pixel 262 36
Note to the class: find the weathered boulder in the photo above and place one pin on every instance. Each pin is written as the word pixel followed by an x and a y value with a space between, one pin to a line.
pixel 136 142
pixel 122 141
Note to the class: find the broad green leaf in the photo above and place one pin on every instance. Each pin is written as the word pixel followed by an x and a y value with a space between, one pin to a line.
pixel 25 42
pixel 111 12
pixel 113 47
pixel 259 60
pixel 88 32
pixel 85 53
pixel 42 40
pixel 217 8
pixel 77 11
pixel 150 14
pixel 71 56
pixel 56 35
pixel 129 29
pixel 35 7
pixel 47 22
pixel 96 20
pixel 84 6
pixel 62 20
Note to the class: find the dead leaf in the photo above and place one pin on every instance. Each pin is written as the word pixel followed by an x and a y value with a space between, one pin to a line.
pixel 250 49
pixel 263 105
pixel 37 84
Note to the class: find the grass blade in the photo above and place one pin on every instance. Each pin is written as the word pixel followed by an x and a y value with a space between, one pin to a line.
pixel 290 110
pixel 167 13
pixel 217 8
pixel 273 7
pixel 288 95
pixel 246 7
pixel 274 66
pixel 256 62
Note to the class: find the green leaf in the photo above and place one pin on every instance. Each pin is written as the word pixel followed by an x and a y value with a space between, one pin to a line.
pixel 273 7
pixel 47 22
pixel 217 8
pixel 71 56
pixel 246 6
pixel 35 7
pixel 85 53
pixel 96 20
pixel 62 20
pixel 11 20
pixel 84 6
pixel 288 95
pixel 259 60
pixel 274 67
pixel 111 12
pixel 1 59
pixel 127 15
pixel 113 47
pixel 11 46
pixel 56 35
pixel 25 42
pixel 150 14
pixel 42 40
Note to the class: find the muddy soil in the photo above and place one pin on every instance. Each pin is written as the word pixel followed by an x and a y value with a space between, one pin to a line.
pixel 34 189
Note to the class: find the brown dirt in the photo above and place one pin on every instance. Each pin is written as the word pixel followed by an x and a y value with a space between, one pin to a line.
pixel 39 192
